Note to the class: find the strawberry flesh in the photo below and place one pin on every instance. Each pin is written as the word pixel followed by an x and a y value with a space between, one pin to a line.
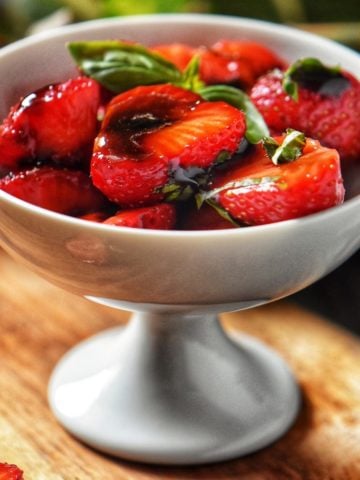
pixel 179 54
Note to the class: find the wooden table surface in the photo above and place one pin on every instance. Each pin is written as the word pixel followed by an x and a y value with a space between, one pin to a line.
pixel 39 323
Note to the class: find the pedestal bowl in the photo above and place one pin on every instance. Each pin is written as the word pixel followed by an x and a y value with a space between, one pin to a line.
pixel 172 387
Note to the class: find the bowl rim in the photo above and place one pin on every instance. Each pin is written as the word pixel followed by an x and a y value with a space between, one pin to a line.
pixel 195 19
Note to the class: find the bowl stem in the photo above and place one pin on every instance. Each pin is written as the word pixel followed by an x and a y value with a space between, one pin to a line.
pixel 174 389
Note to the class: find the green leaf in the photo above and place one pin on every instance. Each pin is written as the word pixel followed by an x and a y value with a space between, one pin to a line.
pixel 256 127
pixel 289 150
pixel 311 73
pixel 120 66
pixel 190 78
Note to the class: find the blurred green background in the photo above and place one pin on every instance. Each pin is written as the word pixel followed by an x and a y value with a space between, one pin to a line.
pixel 337 20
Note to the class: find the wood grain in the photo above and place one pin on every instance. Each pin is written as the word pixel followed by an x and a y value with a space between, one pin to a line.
pixel 39 322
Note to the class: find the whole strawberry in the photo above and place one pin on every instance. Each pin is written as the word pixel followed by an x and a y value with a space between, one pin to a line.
pixel 280 179
pixel 322 102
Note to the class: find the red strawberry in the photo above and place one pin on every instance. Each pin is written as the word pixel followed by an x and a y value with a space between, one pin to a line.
pixel 57 123
pixel 236 62
pixel 153 136
pixel 259 192
pixel 10 472
pixel 63 191
pixel 260 58
pixel 179 54
pixel 160 217
pixel 205 218
pixel 327 106
pixel 98 217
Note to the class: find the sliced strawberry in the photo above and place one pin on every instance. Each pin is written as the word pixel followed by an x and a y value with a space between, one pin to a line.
pixel 160 217
pixel 258 192
pixel 326 106
pixel 155 135
pixel 179 54
pixel 63 191
pixel 56 123
pixel 10 472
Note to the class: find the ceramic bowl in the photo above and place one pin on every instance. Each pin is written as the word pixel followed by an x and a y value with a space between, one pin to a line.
pixel 146 404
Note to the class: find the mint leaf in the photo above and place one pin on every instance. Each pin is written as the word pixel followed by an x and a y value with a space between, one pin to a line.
pixel 256 127
pixel 312 74
pixel 289 150
pixel 120 66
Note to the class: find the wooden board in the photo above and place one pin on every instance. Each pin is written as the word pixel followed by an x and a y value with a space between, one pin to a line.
pixel 39 322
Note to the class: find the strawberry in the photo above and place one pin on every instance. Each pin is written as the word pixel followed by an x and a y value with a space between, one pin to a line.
pixel 159 217
pixel 322 102
pixel 260 58
pixel 237 62
pixel 98 217
pixel 56 123
pixel 63 191
pixel 10 472
pixel 257 191
pixel 154 138
pixel 179 54
pixel 205 218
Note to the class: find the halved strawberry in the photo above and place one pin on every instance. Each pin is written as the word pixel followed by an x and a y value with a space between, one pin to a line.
pixel 259 192
pixel 10 472
pixel 56 123
pixel 160 217
pixel 153 136
pixel 322 102
pixel 63 191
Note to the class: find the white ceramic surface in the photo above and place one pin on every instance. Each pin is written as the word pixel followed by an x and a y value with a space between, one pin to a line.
pixel 170 388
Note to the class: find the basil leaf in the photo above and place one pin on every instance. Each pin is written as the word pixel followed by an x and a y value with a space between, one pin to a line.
pixel 289 150
pixel 120 66
pixel 311 73
pixel 256 127
pixel 190 78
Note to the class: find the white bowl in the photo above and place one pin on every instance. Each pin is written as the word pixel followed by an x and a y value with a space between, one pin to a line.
pixel 148 393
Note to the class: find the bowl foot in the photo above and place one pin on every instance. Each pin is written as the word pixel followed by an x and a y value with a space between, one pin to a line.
pixel 174 389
